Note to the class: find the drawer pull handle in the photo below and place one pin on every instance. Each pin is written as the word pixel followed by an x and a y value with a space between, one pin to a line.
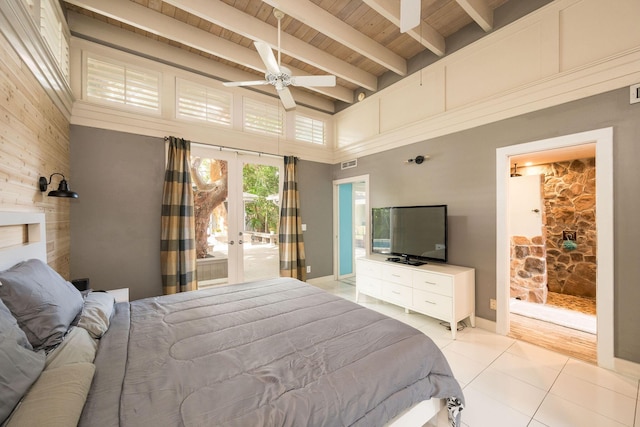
pixel 429 302
pixel 429 283
pixel 395 275
pixel 395 292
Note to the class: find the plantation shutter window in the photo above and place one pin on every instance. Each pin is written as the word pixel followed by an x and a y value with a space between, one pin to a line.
pixel 262 118
pixel 309 130
pixel 116 83
pixel 198 102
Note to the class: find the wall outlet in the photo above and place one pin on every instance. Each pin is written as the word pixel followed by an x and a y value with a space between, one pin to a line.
pixel 308 269
pixel 492 304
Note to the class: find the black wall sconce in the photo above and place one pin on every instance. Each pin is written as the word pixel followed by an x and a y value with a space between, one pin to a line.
pixel 418 160
pixel 63 187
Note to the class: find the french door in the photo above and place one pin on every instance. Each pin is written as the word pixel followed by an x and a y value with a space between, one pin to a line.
pixel 237 208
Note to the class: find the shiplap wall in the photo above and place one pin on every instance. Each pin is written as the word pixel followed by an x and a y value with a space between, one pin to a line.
pixel 34 141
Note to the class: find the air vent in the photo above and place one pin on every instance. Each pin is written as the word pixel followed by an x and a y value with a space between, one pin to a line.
pixel 634 94
pixel 349 164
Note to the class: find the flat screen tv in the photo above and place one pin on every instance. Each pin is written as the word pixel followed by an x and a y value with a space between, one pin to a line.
pixel 415 234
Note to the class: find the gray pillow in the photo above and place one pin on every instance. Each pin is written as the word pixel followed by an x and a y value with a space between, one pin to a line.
pixel 21 366
pixel 43 303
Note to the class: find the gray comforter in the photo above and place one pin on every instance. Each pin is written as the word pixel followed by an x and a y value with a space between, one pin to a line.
pixel 271 353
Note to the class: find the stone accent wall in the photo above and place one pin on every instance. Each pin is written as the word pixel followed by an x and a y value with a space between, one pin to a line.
pixel 570 204
pixel 529 269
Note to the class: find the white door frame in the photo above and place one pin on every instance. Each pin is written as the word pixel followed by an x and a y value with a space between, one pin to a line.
pixel 243 158
pixel 603 139
pixel 235 223
pixel 367 243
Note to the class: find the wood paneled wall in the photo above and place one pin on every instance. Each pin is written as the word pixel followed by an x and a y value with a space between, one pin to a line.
pixel 34 142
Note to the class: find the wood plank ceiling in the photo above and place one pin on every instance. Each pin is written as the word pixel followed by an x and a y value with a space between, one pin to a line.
pixel 358 41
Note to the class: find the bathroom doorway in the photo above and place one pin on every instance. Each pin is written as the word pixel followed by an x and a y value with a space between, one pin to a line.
pixel 553 249
pixel 603 141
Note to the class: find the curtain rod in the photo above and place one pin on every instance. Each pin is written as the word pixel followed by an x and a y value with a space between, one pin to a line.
pixel 236 150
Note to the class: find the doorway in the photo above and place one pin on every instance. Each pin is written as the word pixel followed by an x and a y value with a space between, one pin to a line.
pixel 351 224
pixel 237 208
pixel 603 141
pixel 553 264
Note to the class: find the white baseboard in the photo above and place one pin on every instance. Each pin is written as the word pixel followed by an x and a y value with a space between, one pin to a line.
pixel 487 325
pixel 320 279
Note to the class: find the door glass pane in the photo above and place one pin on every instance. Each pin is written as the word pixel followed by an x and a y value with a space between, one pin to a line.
pixel 360 218
pixel 260 184
pixel 211 186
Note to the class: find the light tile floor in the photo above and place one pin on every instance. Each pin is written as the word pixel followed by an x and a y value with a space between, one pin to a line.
pixel 510 383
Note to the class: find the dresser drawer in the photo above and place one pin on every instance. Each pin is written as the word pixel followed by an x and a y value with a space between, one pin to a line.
pixel 369 286
pixel 367 268
pixel 397 294
pixel 430 282
pixel 396 274
pixel 432 304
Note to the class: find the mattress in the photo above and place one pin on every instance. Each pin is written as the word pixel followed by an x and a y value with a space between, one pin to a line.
pixel 278 352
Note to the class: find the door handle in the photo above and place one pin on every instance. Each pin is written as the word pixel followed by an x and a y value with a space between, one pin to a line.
pixel 231 242
pixel 240 241
pixel 535 210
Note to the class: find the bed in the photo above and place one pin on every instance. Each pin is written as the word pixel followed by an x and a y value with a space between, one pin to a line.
pixel 278 352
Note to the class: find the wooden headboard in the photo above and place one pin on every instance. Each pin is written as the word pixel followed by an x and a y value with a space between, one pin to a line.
pixel 22 237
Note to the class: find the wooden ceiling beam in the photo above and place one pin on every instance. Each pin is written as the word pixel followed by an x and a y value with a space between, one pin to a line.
pixel 425 34
pixel 154 22
pixel 84 27
pixel 479 11
pixel 228 17
pixel 321 20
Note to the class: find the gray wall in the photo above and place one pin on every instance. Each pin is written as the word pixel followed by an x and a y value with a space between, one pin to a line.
pixel 461 174
pixel 115 223
pixel 316 209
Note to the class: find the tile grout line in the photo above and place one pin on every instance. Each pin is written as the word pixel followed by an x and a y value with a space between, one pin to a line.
pixel 635 413
pixel 548 392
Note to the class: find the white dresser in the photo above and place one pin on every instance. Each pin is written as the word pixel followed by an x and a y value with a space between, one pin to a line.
pixel 442 291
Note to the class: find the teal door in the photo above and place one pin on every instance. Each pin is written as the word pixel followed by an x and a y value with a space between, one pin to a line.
pixel 345 229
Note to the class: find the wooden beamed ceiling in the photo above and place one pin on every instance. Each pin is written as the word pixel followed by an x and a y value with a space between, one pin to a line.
pixel 357 41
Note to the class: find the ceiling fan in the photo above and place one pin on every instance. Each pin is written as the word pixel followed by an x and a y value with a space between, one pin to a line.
pixel 409 14
pixel 280 76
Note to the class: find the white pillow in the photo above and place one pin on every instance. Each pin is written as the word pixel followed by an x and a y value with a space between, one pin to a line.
pixel 96 313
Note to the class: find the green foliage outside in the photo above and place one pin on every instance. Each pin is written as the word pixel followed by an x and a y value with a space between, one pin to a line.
pixel 261 214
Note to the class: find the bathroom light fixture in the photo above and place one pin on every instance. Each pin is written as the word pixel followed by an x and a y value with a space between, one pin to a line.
pixel 63 187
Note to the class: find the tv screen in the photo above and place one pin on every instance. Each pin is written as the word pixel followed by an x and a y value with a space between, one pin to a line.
pixel 412 232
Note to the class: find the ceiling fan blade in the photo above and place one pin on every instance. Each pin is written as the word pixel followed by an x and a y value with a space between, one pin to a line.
pixel 313 81
pixel 247 83
pixel 287 99
pixel 409 14
pixel 268 57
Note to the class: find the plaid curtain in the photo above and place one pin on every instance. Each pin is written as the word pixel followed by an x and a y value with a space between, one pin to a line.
pixel 290 242
pixel 177 248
